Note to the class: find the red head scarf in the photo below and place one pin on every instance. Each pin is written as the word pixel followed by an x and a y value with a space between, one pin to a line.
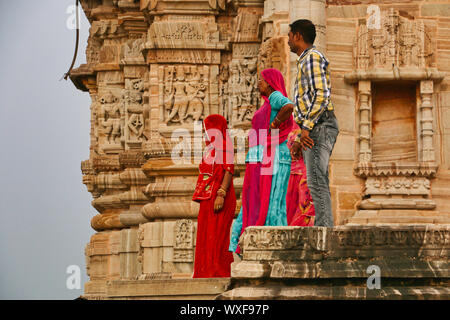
pixel 219 151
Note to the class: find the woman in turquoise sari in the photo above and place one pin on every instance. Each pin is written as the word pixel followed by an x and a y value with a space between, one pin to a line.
pixel 266 172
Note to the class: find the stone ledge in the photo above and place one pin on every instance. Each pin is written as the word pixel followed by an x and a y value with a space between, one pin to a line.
pixel 188 289
pixel 333 263
pixel 326 292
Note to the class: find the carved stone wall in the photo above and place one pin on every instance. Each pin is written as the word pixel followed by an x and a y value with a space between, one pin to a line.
pixel 335 263
pixel 157 68
pixel 387 79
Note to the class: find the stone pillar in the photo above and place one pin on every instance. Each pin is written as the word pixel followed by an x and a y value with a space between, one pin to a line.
pixel 426 121
pixel 365 122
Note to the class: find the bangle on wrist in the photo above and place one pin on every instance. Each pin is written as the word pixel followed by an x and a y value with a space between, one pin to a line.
pixel 221 192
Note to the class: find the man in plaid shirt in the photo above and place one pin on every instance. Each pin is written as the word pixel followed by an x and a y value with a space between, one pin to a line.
pixel 314 114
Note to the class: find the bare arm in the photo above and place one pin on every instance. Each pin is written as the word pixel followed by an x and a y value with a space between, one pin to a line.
pixel 282 115
pixel 218 203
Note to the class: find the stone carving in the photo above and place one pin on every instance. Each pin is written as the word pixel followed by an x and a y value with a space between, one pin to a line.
pixel 399 42
pixel 402 237
pixel 132 50
pixel 110 118
pixel 365 127
pixel 105 29
pixel 133 106
pixel 175 34
pixel 93 51
pixel 183 248
pixel 243 90
pixel 397 185
pixel 184 94
pixel 427 131
pixel 182 56
pixel 265 239
pixel 215 4
pixel 247 26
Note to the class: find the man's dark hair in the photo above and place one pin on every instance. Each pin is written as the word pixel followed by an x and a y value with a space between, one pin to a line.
pixel 306 28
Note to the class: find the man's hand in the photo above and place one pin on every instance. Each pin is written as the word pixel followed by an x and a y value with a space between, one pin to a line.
pixel 218 203
pixel 305 140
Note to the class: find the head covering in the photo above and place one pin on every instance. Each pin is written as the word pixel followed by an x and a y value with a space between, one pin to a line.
pixel 261 118
pixel 255 206
pixel 218 139
pixel 219 151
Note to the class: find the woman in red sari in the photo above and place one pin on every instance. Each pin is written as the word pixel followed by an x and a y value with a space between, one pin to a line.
pixel 215 193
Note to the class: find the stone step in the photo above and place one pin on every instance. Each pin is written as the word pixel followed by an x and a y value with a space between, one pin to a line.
pixel 397 220
pixel 186 289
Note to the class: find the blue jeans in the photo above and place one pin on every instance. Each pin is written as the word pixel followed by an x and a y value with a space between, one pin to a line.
pixel 316 159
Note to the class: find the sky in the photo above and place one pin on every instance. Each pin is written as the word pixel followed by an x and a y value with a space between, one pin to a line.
pixel 45 209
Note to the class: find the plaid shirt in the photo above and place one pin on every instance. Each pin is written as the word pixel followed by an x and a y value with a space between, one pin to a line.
pixel 312 88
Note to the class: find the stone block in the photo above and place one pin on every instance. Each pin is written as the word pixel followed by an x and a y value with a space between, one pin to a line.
pixel 344 108
pixel 353 11
pixel 344 148
pixel 348 200
pixel 435 10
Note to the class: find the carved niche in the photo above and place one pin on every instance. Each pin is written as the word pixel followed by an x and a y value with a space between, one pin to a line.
pixel 394 73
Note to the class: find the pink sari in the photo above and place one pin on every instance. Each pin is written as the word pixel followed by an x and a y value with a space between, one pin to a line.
pixel 258 176
pixel 300 208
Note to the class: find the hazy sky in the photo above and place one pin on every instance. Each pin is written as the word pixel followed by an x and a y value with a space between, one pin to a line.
pixel 44 135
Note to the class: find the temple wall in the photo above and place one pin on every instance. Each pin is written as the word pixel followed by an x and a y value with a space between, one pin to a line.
pixel 344 19
pixel 156 67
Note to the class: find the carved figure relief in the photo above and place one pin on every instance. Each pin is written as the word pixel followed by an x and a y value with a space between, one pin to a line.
pixel 243 89
pixel 133 105
pixel 399 41
pixel 110 118
pixel 184 241
pixel 132 50
pixel 184 94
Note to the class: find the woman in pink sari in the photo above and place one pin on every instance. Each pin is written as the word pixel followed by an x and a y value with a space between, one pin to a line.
pixel 268 161
pixel 300 208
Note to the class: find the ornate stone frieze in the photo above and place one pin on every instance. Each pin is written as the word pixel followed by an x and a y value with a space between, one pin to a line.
pixel 183 56
pixel 373 169
pixel 397 185
pixel 269 243
pixel 183 35
pixel 399 41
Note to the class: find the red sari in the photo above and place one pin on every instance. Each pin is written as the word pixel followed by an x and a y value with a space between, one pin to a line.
pixel 212 258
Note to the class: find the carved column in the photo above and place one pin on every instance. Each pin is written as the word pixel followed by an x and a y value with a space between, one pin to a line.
pixel 426 121
pixel 365 121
